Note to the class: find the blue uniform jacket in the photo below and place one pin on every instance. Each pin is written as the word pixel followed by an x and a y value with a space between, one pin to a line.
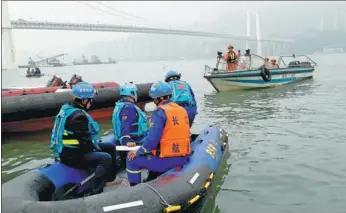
pixel 193 95
pixel 128 116
pixel 156 126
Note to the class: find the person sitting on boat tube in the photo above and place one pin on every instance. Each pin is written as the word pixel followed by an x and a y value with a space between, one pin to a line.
pixel 129 121
pixel 75 138
pixel 274 64
pixel 37 71
pixel 266 63
pixel 167 144
pixel 231 58
pixel 182 94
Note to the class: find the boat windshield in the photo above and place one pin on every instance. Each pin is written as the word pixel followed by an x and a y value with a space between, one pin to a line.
pixel 295 60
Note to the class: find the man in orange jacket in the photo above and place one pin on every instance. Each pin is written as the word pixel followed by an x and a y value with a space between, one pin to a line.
pixel 231 58
pixel 167 144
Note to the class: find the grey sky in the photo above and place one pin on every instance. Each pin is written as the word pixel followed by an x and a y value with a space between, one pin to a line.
pixel 180 14
pixel 175 14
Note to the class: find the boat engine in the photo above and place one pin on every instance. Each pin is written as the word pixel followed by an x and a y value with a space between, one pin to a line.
pixel 75 79
pixel 55 82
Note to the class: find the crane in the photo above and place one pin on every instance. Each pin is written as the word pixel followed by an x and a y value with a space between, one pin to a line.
pixel 47 59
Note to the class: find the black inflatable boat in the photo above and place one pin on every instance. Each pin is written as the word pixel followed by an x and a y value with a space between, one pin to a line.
pixel 177 190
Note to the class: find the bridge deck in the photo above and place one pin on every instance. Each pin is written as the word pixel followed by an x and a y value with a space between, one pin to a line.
pixel 40 25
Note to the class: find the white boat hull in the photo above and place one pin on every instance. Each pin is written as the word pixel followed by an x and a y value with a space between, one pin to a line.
pixel 230 82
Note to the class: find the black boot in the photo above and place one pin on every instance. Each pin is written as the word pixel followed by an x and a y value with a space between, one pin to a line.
pixel 98 185
pixel 133 184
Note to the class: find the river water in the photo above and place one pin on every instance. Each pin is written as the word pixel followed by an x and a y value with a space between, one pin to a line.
pixel 288 149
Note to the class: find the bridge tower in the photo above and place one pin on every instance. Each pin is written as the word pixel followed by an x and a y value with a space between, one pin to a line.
pixel 248 28
pixel 258 32
pixel 8 51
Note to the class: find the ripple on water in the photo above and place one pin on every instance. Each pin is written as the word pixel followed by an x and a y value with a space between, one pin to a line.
pixel 288 143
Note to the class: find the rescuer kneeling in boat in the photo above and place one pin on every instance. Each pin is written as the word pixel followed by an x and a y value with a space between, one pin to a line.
pixel 231 58
pixel 129 121
pixel 75 138
pixel 167 144
pixel 182 94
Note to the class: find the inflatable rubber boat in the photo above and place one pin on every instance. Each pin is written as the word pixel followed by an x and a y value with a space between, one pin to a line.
pixel 35 112
pixel 15 91
pixel 55 84
pixel 177 190
pixel 34 75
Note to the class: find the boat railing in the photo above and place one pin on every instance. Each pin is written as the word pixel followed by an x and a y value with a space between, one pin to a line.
pixel 209 71
pixel 220 67
pixel 244 63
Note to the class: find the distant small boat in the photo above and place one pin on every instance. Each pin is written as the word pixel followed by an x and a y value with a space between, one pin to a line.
pixel 34 75
pixel 255 75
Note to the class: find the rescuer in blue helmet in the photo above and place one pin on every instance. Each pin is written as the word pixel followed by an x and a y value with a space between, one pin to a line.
pixel 75 138
pixel 182 94
pixel 167 143
pixel 129 121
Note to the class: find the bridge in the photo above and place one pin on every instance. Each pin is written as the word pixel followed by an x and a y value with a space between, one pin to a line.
pixel 8 61
pixel 42 25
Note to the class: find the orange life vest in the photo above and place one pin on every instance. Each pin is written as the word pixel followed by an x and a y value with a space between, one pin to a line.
pixel 175 140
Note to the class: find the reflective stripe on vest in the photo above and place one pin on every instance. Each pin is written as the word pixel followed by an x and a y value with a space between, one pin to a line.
pixel 175 140
pixel 67 139
pixel 116 121
pixel 181 93
pixel 61 138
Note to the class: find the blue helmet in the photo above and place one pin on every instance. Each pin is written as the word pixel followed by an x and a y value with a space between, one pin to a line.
pixel 160 89
pixel 83 90
pixel 129 90
pixel 172 73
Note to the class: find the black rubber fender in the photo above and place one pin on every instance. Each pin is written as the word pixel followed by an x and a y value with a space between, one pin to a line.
pixel 266 74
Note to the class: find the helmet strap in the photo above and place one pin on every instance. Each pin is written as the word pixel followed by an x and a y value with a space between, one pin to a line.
pixel 129 98
pixel 158 100
pixel 79 102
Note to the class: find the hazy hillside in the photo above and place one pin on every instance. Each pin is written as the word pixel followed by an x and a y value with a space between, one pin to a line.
pixel 290 20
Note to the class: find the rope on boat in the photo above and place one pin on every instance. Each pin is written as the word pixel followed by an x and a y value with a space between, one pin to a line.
pixel 164 202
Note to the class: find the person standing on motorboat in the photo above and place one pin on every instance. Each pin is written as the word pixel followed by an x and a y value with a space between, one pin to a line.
pixel 231 58
pixel 167 144
pixel 129 121
pixel 182 94
pixel 75 138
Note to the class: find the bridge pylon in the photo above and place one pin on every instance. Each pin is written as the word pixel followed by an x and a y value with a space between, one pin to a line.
pixel 8 51
pixel 258 31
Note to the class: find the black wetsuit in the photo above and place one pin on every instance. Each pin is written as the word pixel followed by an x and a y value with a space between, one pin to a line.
pixel 87 156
